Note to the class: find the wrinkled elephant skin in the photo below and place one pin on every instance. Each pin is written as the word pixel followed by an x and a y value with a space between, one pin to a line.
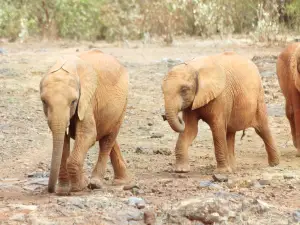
pixel 223 90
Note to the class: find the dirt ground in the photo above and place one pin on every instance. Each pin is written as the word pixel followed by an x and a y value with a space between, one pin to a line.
pixel 147 142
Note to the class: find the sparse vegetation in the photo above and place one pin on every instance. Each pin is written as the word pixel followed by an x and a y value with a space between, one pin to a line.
pixel 113 20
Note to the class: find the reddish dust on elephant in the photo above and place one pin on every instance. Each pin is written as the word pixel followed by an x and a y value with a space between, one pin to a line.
pixel 86 94
pixel 254 193
pixel 225 91
pixel 288 72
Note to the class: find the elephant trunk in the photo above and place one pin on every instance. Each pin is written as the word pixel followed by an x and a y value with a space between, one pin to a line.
pixel 58 134
pixel 175 122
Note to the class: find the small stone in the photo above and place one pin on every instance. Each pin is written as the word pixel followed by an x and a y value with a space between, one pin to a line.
pixel 256 184
pixel 162 151
pixel 205 183
pixel 231 214
pixel 296 216
pixel 263 205
pixel 137 202
pixel 150 124
pixel 213 217
pixel 139 150
pixel 231 184
pixel 18 217
pixel 289 176
pixel 157 135
pixel 264 182
pixel 23 207
pixel 134 215
pixel 220 178
pixel 149 217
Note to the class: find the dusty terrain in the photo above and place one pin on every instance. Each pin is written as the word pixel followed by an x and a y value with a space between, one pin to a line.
pixel 255 194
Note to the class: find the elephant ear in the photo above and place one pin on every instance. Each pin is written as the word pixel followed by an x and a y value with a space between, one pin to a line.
pixel 88 80
pixel 210 83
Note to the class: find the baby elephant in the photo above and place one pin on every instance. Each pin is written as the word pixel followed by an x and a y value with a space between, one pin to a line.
pixel 288 72
pixel 225 91
pixel 84 97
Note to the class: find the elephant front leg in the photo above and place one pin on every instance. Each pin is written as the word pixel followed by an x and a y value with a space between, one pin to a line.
pixel 85 138
pixel 63 186
pixel 296 113
pixel 221 151
pixel 230 138
pixel 185 139
pixel 98 173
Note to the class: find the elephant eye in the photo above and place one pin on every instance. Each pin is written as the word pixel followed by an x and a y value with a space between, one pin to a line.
pixel 73 102
pixel 184 89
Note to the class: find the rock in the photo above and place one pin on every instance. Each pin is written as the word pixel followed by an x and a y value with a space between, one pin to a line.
pixel 134 215
pixel 296 216
pixel 149 217
pixel 23 207
pixel 139 150
pixel 209 184
pixel 137 202
pixel 289 176
pixel 263 206
pixel 264 182
pixel 38 181
pixel 150 124
pixel 38 174
pixel 18 217
pixel 220 178
pixel 162 151
pixel 157 135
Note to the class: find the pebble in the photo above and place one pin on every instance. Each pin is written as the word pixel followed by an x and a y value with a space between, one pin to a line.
pixel 263 206
pixel 38 174
pixel 18 217
pixel 157 135
pixel 134 215
pixel 162 151
pixel 220 178
pixel 149 217
pixel 264 182
pixel 23 207
pixel 137 202
pixel 139 150
pixel 209 184
pixel 296 216
pixel 289 176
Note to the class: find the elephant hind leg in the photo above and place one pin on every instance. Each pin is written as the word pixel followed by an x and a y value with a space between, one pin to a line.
pixel 262 129
pixel 290 115
pixel 119 166
pixel 230 138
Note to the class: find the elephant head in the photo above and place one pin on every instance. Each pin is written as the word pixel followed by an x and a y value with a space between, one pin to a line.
pixel 66 91
pixel 185 87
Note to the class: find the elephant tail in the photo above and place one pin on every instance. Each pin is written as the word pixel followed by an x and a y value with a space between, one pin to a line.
pixel 295 62
pixel 244 133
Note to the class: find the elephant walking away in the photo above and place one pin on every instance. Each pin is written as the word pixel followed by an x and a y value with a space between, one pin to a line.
pixel 84 98
pixel 288 73
pixel 223 90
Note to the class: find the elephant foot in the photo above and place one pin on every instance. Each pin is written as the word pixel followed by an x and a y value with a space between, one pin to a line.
pixel 223 170
pixel 232 164
pixel 95 183
pixel 182 168
pixel 62 189
pixel 79 186
pixel 121 181
pixel 298 153
pixel 273 161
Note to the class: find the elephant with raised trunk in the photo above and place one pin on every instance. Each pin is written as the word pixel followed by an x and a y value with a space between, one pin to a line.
pixel 223 90
pixel 288 72
pixel 84 98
